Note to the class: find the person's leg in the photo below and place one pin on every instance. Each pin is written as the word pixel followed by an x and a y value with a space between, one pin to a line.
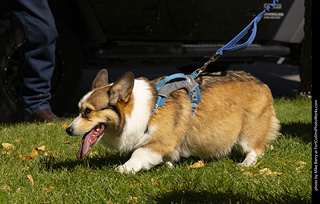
pixel 41 34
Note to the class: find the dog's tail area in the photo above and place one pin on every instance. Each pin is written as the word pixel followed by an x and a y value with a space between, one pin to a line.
pixel 274 129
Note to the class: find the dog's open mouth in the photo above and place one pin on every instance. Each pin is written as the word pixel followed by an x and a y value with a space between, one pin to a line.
pixel 90 139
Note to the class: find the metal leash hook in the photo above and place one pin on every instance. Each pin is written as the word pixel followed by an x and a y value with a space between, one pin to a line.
pixel 198 71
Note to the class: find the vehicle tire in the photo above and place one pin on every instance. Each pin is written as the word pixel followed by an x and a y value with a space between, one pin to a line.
pixel 66 77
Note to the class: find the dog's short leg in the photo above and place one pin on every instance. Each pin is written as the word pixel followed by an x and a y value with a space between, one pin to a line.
pixel 169 164
pixel 141 159
pixel 250 160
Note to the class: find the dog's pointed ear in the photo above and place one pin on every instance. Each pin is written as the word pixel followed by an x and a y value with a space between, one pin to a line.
pixel 101 79
pixel 122 88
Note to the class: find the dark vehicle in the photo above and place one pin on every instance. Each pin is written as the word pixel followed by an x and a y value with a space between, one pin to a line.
pixel 109 30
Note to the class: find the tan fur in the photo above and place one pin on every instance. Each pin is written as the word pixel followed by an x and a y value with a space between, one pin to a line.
pixel 234 105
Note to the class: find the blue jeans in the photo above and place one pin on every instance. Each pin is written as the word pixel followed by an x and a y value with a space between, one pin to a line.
pixel 39 52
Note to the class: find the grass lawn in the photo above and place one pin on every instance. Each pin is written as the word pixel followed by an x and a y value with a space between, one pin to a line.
pixel 38 164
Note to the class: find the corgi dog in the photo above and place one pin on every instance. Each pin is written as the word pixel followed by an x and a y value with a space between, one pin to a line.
pixel 236 108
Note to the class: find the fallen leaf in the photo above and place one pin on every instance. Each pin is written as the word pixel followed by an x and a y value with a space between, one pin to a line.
pixel 198 164
pixel 155 181
pixel 42 148
pixel 93 154
pixel 48 123
pixel 6 188
pixel 257 182
pixel 64 126
pixel 247 173
pixel 257 164
pixel 24 169
pixel 276 173
pixel 265 171
pixel 301 162
pixel 30 178
pixel 302 165
pixel 34 152
pixel 270 147
pixel 25 157
pixel 47 154
pixel 239 168
pixel 49 189
pixel 8 146
pixel 133 199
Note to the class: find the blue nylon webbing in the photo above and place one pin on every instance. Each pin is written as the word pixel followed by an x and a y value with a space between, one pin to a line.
pixel 230 46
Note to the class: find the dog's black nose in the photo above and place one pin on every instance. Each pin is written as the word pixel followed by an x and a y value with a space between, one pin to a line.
pixel 69 130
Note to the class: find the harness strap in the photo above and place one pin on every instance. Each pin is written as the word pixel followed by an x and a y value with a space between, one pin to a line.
pixel 175 82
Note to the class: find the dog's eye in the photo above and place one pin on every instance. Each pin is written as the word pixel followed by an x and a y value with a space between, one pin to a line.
pixel 87 110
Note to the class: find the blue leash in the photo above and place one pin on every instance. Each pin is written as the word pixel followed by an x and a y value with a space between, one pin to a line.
pixel 178 81
pixel 230 47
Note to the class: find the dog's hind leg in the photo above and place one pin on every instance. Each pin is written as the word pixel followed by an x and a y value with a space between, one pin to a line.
pixel 251 155
pixel 141 158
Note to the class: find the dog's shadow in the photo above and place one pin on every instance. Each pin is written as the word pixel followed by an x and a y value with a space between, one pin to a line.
pixel 95 162
pixel 113 159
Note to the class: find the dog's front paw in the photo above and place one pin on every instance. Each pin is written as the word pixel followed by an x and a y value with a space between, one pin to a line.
pixel 123 169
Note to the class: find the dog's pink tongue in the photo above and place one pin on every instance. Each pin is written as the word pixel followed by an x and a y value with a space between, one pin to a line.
pixel 85 145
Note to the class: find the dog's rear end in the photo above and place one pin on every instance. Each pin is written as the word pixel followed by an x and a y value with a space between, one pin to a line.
pixel 236 108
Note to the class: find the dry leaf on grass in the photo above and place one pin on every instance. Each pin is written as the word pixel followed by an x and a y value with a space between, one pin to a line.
pixel 8 146
pixel 255 166
pixel 155 181
pixel 30 178
pixel 26 157
pixel 48 190
pixel 198 164
pixel 24 169
pixel 302 165
pixel 267 171
pixel 271 147
pixel 6 188
pixel 35 150
pixel 42 148
pixel 64 126
pixel 133 199
pixel 301 162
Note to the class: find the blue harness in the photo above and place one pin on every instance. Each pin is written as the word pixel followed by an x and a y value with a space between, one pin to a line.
pixel 175 82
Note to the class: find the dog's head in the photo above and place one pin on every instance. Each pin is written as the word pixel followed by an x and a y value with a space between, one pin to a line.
pixel 100 109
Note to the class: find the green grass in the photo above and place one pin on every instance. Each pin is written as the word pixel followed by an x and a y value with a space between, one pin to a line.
pixel 59 177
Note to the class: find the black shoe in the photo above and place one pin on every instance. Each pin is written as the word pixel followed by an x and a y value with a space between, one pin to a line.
pixel 43 116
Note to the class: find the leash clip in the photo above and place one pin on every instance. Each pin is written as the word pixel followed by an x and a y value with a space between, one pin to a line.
pixel 204 66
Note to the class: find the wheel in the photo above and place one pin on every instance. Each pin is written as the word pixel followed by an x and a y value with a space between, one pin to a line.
pixel 66 77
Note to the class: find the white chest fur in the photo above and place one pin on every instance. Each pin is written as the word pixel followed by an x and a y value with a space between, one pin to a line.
pixel 133 134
